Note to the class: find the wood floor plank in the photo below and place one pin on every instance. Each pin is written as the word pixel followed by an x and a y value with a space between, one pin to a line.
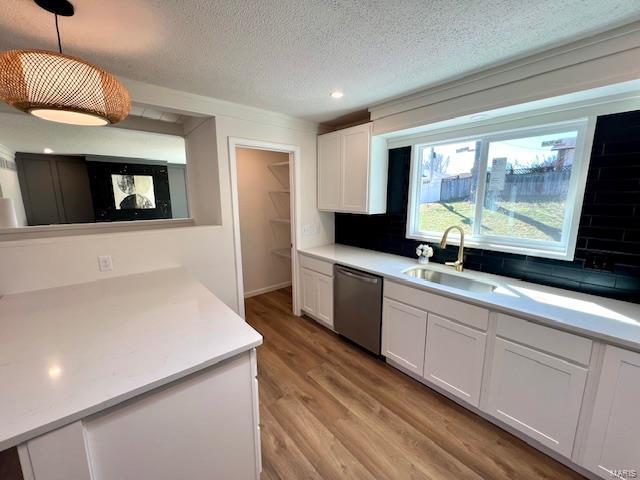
pixel 324 406
pixel 422 451
pixel 10 465
pixel 373 450
pixel 479 444
pixel 482 446
pixel 268 472
pixel 325 452
pixel 283 456
pixel 392 425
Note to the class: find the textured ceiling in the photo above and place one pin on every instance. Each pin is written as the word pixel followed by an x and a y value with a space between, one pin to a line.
pixel 287 55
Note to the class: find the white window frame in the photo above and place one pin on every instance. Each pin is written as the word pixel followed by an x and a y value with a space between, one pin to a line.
pixel 563 250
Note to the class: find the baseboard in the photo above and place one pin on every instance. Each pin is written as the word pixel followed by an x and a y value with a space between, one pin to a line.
pixel 270 288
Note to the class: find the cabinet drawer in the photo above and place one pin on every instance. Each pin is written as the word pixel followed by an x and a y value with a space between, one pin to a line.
pixel 471 315
pixel 550 340
pixel 326 268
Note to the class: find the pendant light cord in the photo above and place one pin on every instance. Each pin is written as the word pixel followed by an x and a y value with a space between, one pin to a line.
pixel 58 33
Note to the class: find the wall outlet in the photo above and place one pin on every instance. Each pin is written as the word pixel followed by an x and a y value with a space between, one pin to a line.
pixel 105 263
pixel 308 230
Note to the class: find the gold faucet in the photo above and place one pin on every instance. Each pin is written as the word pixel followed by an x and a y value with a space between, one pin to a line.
pixel 443 243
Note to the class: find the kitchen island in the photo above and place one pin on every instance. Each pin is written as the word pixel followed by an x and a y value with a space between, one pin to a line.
pixel 141 376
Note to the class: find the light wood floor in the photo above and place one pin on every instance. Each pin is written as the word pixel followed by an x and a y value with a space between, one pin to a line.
pixel 331 411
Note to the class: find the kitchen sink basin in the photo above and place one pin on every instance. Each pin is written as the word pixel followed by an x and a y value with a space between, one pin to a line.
pixel 454 281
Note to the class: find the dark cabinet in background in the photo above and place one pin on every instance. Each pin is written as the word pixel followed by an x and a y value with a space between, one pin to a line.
pixel 55 189
pixel 59 189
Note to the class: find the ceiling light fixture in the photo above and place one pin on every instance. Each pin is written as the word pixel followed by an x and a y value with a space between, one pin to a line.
pixel 336 94
pixel 59 87
pixel 47 150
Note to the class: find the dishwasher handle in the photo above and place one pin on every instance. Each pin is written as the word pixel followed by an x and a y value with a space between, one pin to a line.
pixel 363 278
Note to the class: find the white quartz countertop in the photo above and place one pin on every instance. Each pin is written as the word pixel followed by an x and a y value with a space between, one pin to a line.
pixel 612 321
pixel 69 352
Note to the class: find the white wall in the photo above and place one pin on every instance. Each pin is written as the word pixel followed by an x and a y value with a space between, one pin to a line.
pixel 206 251
pixel 203 179
pixel 44 263
pixel 25 133
pixel 321 223
pixel 9 184
pixel 262 270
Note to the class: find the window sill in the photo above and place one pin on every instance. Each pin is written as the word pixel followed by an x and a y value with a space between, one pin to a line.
pixel 46 231
pixel 532 251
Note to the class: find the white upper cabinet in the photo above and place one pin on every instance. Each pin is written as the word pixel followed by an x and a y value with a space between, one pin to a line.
pixel 329 167
pixel 613 440
pixel 352 171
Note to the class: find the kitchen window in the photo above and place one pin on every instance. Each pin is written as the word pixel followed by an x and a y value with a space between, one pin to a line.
pixel 516 191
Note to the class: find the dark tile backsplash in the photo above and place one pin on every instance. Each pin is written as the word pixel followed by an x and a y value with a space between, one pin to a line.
pixel 607 258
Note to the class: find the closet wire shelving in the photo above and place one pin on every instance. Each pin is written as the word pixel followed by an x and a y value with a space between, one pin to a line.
pixel 281 252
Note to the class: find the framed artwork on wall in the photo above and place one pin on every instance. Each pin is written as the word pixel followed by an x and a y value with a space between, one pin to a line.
pixel 129 191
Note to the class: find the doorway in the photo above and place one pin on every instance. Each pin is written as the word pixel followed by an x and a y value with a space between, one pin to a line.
pixel 263 177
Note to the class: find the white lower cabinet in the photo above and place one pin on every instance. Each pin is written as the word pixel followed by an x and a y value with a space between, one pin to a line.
pixel 533 380
pixel 205 425
pixel 454 358
pixel 613 441
pixel 324 305
pixel 404 330
pixel 309 295
pixel 447 352
pixel 317 295
pixel 536 393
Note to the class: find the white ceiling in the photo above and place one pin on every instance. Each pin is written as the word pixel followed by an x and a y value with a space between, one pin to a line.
pixel 287 55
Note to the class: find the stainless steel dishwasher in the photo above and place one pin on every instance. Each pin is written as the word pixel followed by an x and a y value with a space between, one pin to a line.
pixel 357 300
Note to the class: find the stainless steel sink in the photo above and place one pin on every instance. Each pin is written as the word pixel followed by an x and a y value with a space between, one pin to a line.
pixel 454 281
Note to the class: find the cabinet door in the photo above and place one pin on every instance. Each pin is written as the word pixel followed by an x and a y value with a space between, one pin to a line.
pixel 40 190
pixel 404 331
pixel 355 169
pixel 613 441
pixel 75 190
pixel 309 295
pixel 454 358
pixel 58 455
pixel 199 427
pixel 329 171
pixel 537 394
pixel 324 305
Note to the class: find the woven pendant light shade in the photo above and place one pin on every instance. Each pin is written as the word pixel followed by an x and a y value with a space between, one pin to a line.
pixel 61 88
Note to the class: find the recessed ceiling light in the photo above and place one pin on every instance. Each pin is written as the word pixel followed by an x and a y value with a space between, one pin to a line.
pixel 337 94
pixel 54 371
pixel 47 150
